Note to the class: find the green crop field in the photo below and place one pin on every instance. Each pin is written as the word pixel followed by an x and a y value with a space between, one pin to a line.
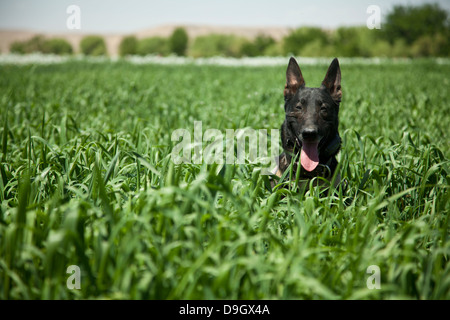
pixel 87 180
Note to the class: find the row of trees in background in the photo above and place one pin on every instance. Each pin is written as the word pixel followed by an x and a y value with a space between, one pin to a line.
pixel 89 45
pixel 407 32
pixel 176 44
pixel 40 44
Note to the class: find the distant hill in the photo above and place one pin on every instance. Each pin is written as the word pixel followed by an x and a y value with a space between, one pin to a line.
pixel 7 37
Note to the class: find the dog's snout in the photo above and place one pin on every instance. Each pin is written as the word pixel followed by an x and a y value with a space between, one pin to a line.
pixel 310 134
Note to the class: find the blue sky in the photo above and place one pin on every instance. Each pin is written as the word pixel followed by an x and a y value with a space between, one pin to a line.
pixel 127 16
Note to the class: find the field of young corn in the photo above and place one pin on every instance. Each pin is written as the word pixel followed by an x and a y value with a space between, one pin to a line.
pixel 87 180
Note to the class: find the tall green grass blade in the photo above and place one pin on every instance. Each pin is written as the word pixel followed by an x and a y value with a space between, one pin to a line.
pixel 5 137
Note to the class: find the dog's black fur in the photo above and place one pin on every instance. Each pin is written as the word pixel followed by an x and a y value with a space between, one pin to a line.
pixel 311 119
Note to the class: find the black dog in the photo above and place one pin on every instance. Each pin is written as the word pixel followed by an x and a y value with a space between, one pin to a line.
pixel 310 129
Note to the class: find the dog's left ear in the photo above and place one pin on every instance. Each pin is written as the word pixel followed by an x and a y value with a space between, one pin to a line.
pixel 332 81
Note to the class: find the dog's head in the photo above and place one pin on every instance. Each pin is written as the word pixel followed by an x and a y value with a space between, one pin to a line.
pixel 311 121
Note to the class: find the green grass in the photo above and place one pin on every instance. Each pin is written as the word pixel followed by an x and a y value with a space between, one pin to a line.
pixel 87 180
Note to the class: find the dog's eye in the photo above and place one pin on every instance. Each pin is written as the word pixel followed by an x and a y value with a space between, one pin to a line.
pixel 300 103
pixel 323 109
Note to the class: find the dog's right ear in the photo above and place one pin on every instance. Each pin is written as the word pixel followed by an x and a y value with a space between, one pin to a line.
pixel 332 81
pixel 294 79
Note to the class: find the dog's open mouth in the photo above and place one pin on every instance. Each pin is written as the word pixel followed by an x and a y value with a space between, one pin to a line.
pixel 309 156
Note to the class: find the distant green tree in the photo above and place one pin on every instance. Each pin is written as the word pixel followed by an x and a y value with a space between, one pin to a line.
pixel 57 46
pixel 40 44
pixel 257 47
pixel 431 46
pixel 299 38
pixel 153 45
pixel 35 44
pixel 217 45
pixel 318 49
pixel 178 41
pixel 400 49
pixel 17 47
pixel 355 41
pixel 128 46
pixel 412 22
pixel 274 50
pixel 346 42
pixel 93 46
pixel 248 49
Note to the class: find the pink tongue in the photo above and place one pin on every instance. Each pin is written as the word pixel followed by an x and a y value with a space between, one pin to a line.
pixel 309 156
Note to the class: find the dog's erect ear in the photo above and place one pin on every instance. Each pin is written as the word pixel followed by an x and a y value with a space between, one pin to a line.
pixel 294 79
pixel 332 81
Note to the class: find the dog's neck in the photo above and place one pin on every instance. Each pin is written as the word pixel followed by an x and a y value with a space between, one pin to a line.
pixel 331 149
